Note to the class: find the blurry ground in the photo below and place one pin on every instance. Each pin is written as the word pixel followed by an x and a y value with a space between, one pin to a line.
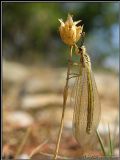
pixel 32 98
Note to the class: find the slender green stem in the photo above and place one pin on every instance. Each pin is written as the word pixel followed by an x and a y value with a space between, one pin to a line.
pixel 110 142
pixel 101 143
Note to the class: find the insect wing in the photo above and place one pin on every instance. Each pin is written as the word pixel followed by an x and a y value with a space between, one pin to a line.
pixel 79 100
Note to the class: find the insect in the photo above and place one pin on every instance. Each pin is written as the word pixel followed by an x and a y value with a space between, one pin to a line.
pixel 85 101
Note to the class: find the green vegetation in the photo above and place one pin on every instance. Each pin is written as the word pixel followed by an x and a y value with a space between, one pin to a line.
pixel 30 30
pixel 110 148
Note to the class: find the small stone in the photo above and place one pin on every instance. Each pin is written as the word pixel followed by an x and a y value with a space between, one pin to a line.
pixel 19 118
pixel 40 100
pixel 24 156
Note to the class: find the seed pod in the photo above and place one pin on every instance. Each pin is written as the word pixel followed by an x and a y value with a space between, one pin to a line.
pixel 69 32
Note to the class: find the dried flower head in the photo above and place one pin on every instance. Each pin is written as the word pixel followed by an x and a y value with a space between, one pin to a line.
pixel 69 32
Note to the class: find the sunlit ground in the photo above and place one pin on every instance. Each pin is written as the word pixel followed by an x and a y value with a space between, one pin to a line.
pixel 32 108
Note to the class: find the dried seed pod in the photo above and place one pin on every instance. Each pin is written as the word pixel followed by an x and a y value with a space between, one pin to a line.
pixel 69 32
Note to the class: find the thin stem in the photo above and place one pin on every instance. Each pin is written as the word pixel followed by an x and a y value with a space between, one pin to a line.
pixel 110 141
pixel 37 149
pixel 20 148
pixel 101 143
pixel 65 94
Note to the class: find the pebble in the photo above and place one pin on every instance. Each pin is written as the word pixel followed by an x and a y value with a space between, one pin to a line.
pixel 40 100
pixel 19 118
pixel 23 156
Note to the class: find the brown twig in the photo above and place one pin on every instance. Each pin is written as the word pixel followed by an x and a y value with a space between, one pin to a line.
pixel 37 149
pixel 65 94
pixel 20 148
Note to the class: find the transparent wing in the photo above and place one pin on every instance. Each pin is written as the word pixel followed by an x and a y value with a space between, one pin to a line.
pixel 79 100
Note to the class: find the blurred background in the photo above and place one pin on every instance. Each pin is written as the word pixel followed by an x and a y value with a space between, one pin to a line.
pixel 34 72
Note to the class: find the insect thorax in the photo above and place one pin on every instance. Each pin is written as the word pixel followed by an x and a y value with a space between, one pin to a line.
pixel 85 58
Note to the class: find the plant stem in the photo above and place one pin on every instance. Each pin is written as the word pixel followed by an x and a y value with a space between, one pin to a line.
pixel 20 148
pixel 101 143
pixel 37 149
pixel 110 142
pixel 65 94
